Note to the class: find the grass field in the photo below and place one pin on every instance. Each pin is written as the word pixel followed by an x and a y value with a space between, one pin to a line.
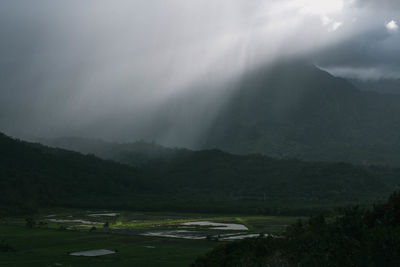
pixel 48 247
pixel 50 244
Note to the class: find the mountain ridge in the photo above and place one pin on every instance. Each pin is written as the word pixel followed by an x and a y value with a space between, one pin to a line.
pixel 199 170
pixel 298 110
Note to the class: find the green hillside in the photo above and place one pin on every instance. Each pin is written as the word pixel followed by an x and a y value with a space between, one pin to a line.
pixel 217 176
pixel 32 175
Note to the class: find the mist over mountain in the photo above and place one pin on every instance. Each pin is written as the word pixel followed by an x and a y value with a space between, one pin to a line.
pixel 128 127
pixel 239 76
pixel 291 109
pixel 139 153
pixel 121 71
pixel 383 86
pixel 297 110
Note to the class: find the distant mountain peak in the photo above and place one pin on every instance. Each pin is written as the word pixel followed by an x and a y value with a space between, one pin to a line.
pixel 295 109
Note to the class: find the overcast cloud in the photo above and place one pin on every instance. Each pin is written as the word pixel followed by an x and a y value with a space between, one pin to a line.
pixel 105 68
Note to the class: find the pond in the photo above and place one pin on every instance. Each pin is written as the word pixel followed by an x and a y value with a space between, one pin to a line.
pixel 218 226
pixel 104 215
pixel 176 234
pixel 239 237
pixel 93 253
pixel 73 221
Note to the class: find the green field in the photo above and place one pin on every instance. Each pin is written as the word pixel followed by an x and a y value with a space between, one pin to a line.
pixel 50 244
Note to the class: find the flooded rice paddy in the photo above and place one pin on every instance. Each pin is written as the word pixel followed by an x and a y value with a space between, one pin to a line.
pixel 73 221
pixel 77 237
pixel 103 215
pixel 168 228
pixel 218 226
pixel 176 226
pixel 93 253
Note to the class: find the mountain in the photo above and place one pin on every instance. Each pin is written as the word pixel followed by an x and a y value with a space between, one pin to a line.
pixel 135 154
pixel 220 176
pixel 296 110
pixel 33 175
pixel 289 110
pixel 384 86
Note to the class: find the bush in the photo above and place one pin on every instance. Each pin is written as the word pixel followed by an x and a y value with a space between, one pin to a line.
pixel 30 222
pixel 357 238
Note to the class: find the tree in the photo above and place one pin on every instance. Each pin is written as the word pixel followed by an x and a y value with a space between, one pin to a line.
pixel 30 222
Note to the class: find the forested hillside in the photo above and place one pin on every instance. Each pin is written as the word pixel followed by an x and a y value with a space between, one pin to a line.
pixel 136 154
pixel 297 110
pixel 192 178
pixel 32 175
pixel 360 237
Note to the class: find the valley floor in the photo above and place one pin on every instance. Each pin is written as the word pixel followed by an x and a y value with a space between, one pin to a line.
pixel 59 232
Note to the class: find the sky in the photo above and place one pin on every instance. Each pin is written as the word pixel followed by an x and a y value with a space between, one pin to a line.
pixel 111 68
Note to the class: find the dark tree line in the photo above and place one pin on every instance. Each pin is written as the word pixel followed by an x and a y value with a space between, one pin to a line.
pixel 360 237
pixel 34 176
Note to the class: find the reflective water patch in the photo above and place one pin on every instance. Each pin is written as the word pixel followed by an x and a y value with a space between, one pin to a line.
pixel 104 214
pixel 73 221
pixel 239 237
pixel 176 234
pixel 218 226
pixel 93 253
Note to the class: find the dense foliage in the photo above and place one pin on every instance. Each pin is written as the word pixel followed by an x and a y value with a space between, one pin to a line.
pixel 242 176
pixel 358 238
pixel 260 177
pixel 32 175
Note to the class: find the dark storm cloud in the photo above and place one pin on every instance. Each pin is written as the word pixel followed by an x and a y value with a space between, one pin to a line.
pixel 372 52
